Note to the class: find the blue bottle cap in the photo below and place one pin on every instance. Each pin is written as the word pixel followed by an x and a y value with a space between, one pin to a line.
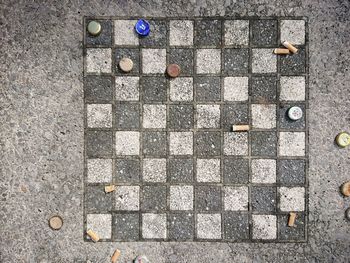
pixel 142 27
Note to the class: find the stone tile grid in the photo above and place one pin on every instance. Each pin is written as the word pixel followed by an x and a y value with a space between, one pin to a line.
pixel 249 103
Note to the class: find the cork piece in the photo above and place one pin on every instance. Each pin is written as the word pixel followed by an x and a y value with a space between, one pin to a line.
pixel 56 222
pixel 109 188
pixel 239 128
pixel 288 45
pixel 345 189
pixel 126 64
pixel 173 70
pixel 281 51
pixel 93 235
pixel 291 219
pixel 115 256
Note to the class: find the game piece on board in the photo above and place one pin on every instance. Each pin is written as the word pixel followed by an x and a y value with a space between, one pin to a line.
pixel 142 27
pixel 126 64
pixel 94 28
pixel 173 70
pixel 295 113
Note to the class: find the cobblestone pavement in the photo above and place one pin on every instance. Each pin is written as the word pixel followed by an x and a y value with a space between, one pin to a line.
pixel 181 173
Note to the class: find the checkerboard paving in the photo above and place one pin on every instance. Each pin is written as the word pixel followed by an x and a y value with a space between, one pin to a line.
pixel 167 145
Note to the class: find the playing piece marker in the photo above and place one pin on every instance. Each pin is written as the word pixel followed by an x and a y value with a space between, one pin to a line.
pixel 295 113
pixel 94 28
pixel 142 27
pixel 345 189
pixel 126 64
pixel 343 139
pixel 56 222
pixel 173 70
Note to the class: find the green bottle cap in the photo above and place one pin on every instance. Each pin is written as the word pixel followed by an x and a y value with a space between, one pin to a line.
pixel 94 28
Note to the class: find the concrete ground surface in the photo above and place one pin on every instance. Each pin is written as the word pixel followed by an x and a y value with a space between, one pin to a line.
pixel 42 126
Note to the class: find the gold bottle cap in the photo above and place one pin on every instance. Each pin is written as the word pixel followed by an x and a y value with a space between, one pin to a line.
pixel 343 139
pixel 94 28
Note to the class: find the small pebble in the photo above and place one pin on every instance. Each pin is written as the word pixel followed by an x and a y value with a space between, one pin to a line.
pixel 94 28
pixel 126 64
pixel 173 70
pixel 56 222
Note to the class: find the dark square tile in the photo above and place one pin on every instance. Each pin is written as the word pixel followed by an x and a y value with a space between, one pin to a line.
pixel 208 143
pixel 264 33
pixel 104 38
pixel 291 172
pixel 263 143
pixel 181 116
pixel 263 199
pixel 182 57
pixel 236 171
pixel 263 89
pixel 180 170
pixel 181 226
pixel 208 198
pixel 234 114
pixel 128 170
pixel 133 54
pixel 127 116
pixel 126 227
pixel 157 36
pixel 153 89
pixel 153 198
pixel 208 89
pixel 291 233
pixel 208 33
pixel 96 200
pixel 294 63
pixel 98 88
pixel 99 144
pixel 154 143
pixel 285 122
pixel 236 226
pixel 236 61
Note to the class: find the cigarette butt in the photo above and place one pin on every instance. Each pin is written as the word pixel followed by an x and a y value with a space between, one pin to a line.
pixel 291 219
pixel 240 127
pixel 109 188
pixel 115 256
pixel 93 235
pixel 281 51
pixel 288 45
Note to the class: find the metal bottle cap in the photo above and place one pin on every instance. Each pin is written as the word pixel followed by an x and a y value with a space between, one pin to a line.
pixel 94 28
pixel 142 27
pixel 295 113
pixel 343 139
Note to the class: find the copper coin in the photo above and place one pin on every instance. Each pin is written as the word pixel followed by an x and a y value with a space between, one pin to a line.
pixel 173 70
pixel 56 222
